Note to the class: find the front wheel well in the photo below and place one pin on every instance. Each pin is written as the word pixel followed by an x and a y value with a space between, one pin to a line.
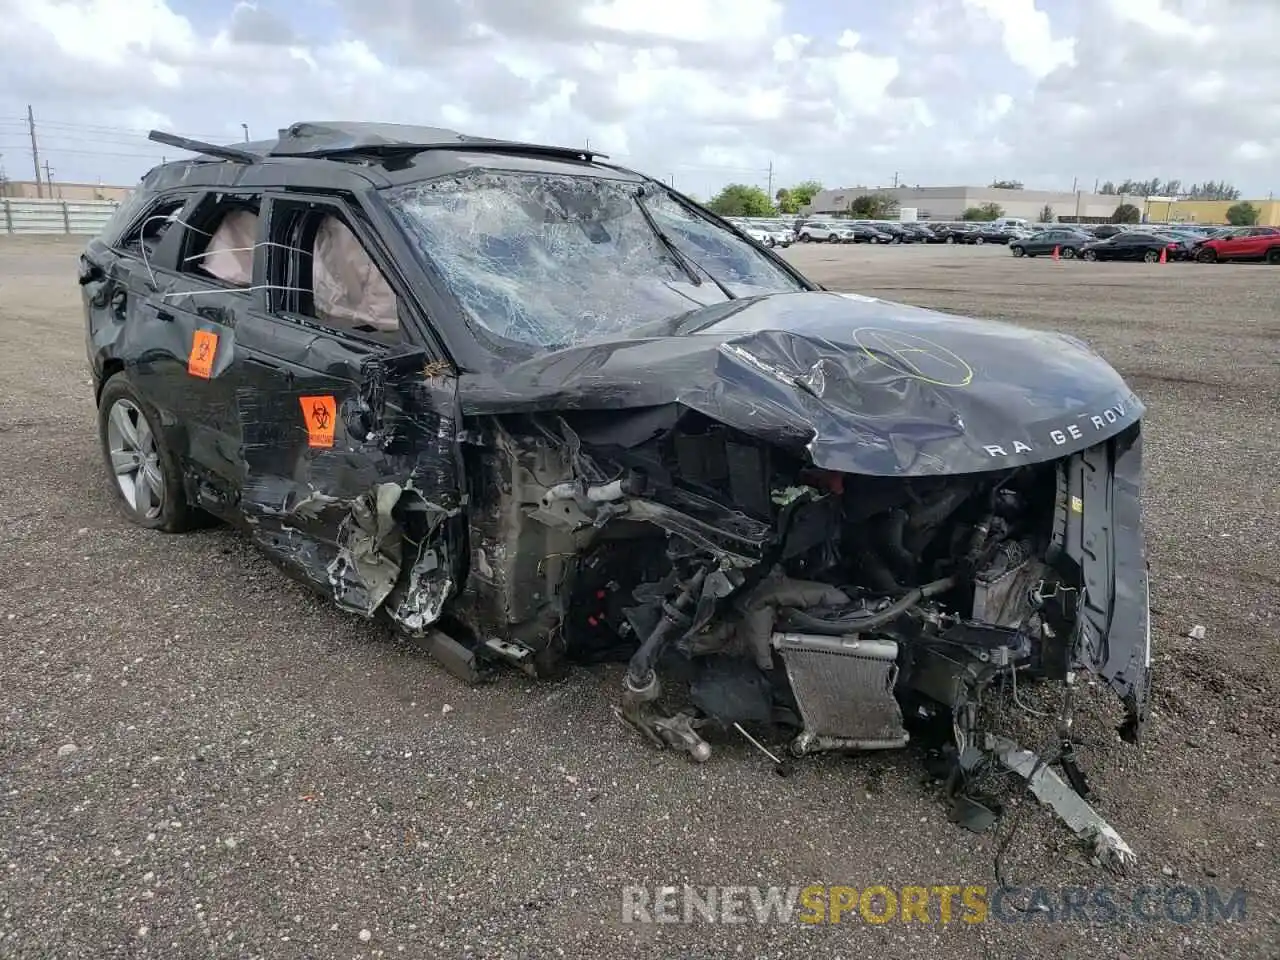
pixel 110 368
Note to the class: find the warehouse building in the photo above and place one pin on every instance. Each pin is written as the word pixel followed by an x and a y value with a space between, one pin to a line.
pixel 76 192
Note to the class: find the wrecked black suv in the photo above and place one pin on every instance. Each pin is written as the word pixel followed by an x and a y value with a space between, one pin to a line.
pixel 530 407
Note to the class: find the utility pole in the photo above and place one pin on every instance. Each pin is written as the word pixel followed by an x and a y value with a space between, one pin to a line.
pixel 770 190
pixel 245 128
pixel 895 179
pixel 48 179
pixel 1074 181
pixel 35 151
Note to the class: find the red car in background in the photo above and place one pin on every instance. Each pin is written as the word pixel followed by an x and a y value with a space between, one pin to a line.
pixel 1242 243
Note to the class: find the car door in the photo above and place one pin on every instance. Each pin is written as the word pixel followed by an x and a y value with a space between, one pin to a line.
pixel 1124 246
pixel 347 413
pixel 204 285
pixel 1253 244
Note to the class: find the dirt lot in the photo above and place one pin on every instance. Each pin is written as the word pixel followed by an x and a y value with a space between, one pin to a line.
pixel 256 774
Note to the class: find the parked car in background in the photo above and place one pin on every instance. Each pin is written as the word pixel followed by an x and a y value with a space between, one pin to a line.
pixel 765 232
pixel 1188 241
pixel 1132 245
pixel 760 234
pixel 1241 243
pixel 987 233
pixel 1068 242
pixel 821 231
pixel 953 232
pixel 922 231
pixel 1104 231
pixel 897 233
pixel 866 233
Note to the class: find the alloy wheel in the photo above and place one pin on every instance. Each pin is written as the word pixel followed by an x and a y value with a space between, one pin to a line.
pixel 135 459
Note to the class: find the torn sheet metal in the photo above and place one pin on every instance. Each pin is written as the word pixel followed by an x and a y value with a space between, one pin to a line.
pixel 1054 792
pixel 353 507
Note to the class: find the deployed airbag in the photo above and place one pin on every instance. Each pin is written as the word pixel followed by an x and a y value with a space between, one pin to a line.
pixel 348 287
pixel 229 256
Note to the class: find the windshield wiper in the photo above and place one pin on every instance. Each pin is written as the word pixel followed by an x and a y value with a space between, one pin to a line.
pixel 686 263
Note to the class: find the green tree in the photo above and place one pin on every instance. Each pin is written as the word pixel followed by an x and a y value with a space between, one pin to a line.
pixel 1046 214
pixel 1243 214
pixel 800 195
pixel 873 206
pixel 1006 185
pixel 1126 213
pixel 987 211
pixel 741 200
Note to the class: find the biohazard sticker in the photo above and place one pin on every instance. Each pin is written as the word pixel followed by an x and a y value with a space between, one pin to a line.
pixel 320 414
pixel 204 347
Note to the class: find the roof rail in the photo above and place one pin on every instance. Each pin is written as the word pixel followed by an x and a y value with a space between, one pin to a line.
pixel 465 146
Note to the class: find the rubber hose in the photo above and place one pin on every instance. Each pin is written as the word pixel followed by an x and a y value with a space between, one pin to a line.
pixel 839 628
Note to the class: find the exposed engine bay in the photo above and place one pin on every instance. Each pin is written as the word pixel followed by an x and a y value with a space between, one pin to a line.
pixel 762 592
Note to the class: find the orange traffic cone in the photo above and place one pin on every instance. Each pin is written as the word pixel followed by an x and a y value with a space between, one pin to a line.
pixel 1055 253
pixel 1164 254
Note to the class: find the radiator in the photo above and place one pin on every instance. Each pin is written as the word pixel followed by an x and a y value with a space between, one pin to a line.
pixel 844 689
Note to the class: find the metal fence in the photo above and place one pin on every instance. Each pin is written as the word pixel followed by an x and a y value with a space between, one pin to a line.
pixel 34 217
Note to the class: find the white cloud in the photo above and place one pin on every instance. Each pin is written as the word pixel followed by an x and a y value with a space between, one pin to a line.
pixel 1027 35
pixel 707 90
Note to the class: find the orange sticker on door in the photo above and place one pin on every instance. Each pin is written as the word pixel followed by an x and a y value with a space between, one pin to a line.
pixel 320 414
pixel 204 346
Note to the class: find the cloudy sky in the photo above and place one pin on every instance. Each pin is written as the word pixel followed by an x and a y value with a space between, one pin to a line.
pixel 705 91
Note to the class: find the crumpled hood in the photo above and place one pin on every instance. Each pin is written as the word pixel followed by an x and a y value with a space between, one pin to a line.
pixel 864 385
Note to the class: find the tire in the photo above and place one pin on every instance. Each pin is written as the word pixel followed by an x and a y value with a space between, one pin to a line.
pixel 949 240
pixel 1273 256
pixel 1090 255
pixel 1017 251
pixel 1207 255
pixel 803 238
pixel 122 417
pixel 979 241
pixel 1151 257
pixel 1067 253
pixel 833 239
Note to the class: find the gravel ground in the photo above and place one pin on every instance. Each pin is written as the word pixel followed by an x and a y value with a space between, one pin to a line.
pixel 200 758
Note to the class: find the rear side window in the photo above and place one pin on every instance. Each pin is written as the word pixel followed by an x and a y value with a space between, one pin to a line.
pixel 125 213
pixel 147 232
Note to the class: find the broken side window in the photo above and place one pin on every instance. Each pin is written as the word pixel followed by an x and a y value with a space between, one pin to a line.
pixel 319 269
pixel 221 233
pixel 150 228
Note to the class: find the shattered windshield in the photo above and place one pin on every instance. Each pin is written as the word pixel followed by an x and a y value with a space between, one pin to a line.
pixel 552 261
